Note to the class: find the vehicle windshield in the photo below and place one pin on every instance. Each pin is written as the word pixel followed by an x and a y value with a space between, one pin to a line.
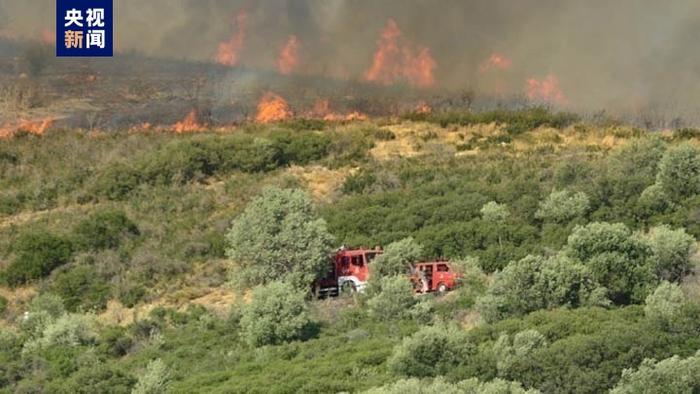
pixel 370 256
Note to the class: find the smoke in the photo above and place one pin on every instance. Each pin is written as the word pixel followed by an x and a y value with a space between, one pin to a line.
pixel 623 55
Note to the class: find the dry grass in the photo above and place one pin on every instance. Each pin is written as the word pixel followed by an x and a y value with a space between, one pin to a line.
pixel 323 184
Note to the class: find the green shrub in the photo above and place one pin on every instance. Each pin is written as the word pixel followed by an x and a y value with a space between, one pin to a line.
pixel 394 300
pixel 539 283
pixel 154 379
pixel 97 377
pixel 672 375
pixel 516 122
pixel 82 288
pixel 359 182
pixel 397 259
pixel 430 352
pixel 104 230
pixel 563 206
pixel 66 330
pixel 495 213
pixel 279 237
pixel 440 386
pixel 3 305
pixel 37 253
pixel 277 314
pixel 617 260
pixel 665 305
pixel 301 149
pixel 679 172
pixel 672 251
pixel 132 295
pixel 510 350
pixel 117 181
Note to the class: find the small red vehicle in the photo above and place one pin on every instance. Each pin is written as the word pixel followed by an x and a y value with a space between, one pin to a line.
pixel 434 276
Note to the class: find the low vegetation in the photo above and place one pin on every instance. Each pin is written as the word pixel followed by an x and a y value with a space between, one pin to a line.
pixel 579 260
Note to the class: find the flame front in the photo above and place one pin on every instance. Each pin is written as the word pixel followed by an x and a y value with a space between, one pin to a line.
pixel 37 127
pixel 273 108
pixel 188 125
pixel 546 90
pixel 229 52
pixel 322 110
pixel 396 59
pixel 288 60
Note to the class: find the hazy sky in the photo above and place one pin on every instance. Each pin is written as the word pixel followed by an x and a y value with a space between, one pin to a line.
pixel 605 54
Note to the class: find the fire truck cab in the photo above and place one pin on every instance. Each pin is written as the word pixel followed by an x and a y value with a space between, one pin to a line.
pixel 348 271
pixel 434 276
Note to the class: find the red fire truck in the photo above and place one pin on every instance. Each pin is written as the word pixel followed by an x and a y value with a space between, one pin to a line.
pixel 348 271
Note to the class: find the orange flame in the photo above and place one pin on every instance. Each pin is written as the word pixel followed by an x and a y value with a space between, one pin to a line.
pixel 37 127
pixel 229 52
pixel 322 110
pixel 395 59
pixel 189 125
pixel 496 61
pixel 288 60
pixel 273 108
pixel 546 90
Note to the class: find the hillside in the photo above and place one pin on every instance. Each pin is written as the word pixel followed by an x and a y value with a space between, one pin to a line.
pixel 113 253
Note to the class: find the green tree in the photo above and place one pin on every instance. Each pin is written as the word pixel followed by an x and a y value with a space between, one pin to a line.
pixel 563 206
pixel 672 251
pixel 37 254
pixel 277 313
pixel 673 375
pixel 537 282
pixel 679 172
pixel 279 237
pixel 618 261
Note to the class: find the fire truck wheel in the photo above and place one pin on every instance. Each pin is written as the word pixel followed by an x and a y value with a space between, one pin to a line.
pixel 348 288
pixel 442 288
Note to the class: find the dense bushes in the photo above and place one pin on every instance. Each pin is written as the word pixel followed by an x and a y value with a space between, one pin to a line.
pixel 104 230
pixel 196 158
pixel 540 283
pixel 672 375
pixel 81 287
pixel 37 253
pixel 440 386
